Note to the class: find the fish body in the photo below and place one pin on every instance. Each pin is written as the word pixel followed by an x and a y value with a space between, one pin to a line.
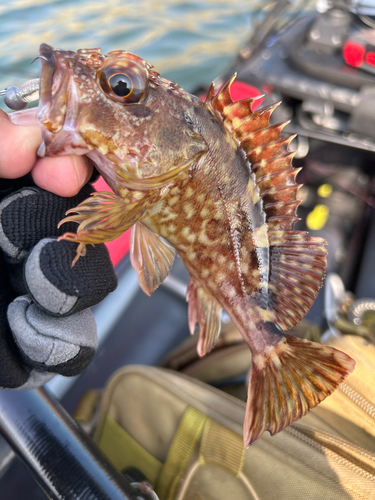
pixel 215 182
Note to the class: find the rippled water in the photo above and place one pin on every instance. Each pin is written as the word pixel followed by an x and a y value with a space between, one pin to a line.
pixel 190 42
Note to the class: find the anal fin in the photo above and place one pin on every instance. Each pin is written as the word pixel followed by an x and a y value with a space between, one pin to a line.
pixel 205 310
pixel 289 379
pixel 151 257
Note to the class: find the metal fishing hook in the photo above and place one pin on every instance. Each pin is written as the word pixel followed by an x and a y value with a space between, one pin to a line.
pixel 39 57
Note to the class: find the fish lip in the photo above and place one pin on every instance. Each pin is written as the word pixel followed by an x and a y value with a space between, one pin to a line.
pixel 58 119
pixel 46 79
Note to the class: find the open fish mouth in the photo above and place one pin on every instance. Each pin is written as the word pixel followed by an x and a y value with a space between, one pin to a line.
pixel 58 106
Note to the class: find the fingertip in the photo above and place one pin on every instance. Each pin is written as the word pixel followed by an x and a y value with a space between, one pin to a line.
pixel 64 175
pixel 24 118
pixel 84 169
pixel 18 147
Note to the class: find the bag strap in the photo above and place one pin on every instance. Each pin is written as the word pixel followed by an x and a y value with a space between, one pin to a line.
pixel 180 452
pixel 124 451
pixel 222 447
pixel 218 446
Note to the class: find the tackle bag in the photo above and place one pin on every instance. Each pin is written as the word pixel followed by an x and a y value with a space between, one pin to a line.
pixel 186 437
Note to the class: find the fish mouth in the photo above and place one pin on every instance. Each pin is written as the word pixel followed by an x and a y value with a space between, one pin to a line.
pixel 58 106
pixel 46 78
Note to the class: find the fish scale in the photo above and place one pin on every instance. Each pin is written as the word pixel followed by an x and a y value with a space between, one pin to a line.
pixel 215 182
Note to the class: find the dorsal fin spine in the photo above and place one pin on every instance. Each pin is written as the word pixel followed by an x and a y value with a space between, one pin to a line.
pixel 282 222
pixel 290 207
pixel 274 164
pixel 234 111
pixel 251 121
pixel 210 94
pixel 270 150
pixel 245 102
pixel 280 193
pixel 283 175
pixel 223 98
pixel 262 136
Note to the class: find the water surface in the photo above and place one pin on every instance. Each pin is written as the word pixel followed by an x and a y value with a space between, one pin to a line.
pixel 190 42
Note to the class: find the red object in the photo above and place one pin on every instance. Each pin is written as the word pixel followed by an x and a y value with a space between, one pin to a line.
pixel 267 88
pixel 241 90
pixel 354 53
pixel 370 58
pixel 120 247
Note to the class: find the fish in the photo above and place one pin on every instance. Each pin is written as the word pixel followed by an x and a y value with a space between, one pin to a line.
pixel 214 182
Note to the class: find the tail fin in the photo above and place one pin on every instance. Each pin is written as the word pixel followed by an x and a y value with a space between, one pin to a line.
pixel 289 379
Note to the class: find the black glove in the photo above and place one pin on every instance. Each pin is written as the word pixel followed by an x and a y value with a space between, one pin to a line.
pixel 45 324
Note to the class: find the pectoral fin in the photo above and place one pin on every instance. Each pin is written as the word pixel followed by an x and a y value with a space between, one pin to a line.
pixel 205 310
pixel 151 257
pixel 105 216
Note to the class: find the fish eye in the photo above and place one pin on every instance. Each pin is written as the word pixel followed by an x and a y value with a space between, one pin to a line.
pixel 120 84
pixel 124 81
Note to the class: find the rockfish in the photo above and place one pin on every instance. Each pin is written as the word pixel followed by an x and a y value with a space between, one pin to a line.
pixel 214 182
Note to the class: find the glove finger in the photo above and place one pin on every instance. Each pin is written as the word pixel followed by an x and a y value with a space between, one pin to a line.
pixel 9 186
pixel 31 214
pixel 12 218
pixel 59 345
pixel 12 372
pixel 61 289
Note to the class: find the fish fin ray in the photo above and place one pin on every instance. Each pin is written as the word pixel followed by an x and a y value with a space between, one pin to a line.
pixel 297 269
pixel 210 94
pixel 223 99
pixel 191 298
pixel 289 379
pixel 229 112
pixel 105 216
pixel 151 257
pixel 204 309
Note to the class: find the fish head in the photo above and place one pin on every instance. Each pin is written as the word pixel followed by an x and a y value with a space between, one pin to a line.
pixel 134 125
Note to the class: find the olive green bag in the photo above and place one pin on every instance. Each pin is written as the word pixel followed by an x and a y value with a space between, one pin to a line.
pixel 186 437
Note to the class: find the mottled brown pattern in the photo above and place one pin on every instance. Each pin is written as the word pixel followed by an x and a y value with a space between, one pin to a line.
pixel 217 183
pixel 210 236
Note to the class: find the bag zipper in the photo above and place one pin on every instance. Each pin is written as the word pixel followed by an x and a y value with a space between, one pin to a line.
pixel 359 400
pixel 342 452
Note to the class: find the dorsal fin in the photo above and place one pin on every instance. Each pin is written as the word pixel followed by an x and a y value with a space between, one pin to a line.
pixel 296 261
pixel 269 154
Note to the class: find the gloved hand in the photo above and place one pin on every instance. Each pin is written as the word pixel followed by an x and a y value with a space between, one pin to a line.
pixel 45 324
